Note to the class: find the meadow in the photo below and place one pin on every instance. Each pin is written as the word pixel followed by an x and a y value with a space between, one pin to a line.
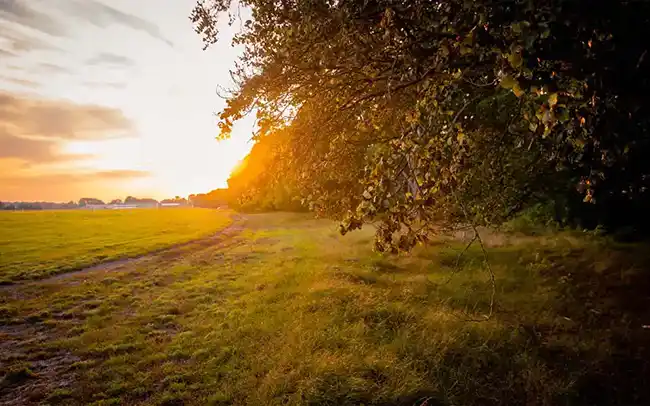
pixel 282 310
pixel 35 244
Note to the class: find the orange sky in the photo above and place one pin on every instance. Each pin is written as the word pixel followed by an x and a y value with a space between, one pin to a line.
pixel 108 98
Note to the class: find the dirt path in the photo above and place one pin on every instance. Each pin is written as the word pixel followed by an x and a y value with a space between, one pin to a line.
pixel 29 339
pixel 167 253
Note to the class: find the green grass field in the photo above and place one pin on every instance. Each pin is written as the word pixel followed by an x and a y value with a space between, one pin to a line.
pixel 284 311
pixel 37 244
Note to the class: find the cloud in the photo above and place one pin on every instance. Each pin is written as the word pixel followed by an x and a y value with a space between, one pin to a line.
pixel 110 59
pixel 63 186
pixel 19 81
pixel 30 151
pixel 18 12
pixel 30 117
pixel 51 68
pixel 6 54
pixel 103 15
pixel 18 17
pixel 66 177
pixel 17 40
pixel 113 85
pixel 26 149
pixel 118 174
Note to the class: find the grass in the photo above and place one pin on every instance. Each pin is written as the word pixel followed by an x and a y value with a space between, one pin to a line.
pixel 41 243
pixel 289 312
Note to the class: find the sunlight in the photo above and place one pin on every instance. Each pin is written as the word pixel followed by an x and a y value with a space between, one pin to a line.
pixel 176 165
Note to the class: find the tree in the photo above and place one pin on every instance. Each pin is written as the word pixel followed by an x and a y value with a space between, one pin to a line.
pixel 176 199
pixel 84 201
pixel 135 200
pixel 423 114
pixel 214 199
pixel 253 186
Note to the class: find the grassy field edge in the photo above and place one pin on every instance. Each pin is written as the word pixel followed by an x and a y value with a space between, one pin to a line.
pixel 36 248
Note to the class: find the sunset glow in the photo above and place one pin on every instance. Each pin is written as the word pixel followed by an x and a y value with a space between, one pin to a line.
pixel 111 98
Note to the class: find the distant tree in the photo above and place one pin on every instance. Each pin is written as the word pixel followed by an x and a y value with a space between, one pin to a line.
pixel 135 200
pixel 116 201
pixel 177 199
pixel 84 201
pixel 214 199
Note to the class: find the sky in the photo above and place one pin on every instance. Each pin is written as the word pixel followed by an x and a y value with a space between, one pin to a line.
pixel 109 98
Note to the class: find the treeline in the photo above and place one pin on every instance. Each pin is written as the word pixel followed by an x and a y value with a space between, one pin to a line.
pixel 421 114
pixel 37 206
pixel 213 200
pixel 85 201
pixel 254 186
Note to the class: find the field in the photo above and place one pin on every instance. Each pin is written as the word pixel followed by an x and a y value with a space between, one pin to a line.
pixel 280 309
pixel 36 244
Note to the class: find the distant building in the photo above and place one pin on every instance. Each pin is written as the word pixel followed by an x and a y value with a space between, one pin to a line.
pixel 133 203
pixel 95 206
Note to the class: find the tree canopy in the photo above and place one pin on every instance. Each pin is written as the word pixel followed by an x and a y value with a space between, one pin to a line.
pixel 433 113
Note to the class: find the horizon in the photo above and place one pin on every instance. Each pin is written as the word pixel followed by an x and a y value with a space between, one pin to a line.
pixel 111 98
pixel 109 199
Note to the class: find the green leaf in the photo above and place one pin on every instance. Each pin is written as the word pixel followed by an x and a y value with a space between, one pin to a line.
pixel 515 60
pixel 508 82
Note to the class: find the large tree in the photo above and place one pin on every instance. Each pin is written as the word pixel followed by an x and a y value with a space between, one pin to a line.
pixel 422 112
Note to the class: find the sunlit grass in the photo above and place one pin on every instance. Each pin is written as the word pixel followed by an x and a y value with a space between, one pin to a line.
pixel 40 243
pixel 289 312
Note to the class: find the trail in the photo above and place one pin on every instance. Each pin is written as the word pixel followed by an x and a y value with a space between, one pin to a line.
pixel 20 337
pixel 167 253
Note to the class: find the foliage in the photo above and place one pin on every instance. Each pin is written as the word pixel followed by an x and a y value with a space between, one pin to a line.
pixel 538 219
pixel 255 184
pixel 176 199
pixel 37 205
pixel 38 244
pixel 213 200
pixel 420 113
pixel 145 200
pixel 288 312
pixel 84 201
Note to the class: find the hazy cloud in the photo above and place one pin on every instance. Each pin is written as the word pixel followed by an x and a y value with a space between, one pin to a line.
pixel 26 149
pixel 33 151
pixel 60 186
pixel 52 68
pixel 67 177
pixel 23 116
pixel 113 85
pixel 118 174
pixel 24 14
pixel 108 58
pixel 17 40
pixel 4 53
pixel 18 12
pixel 19 81
pixel 103 15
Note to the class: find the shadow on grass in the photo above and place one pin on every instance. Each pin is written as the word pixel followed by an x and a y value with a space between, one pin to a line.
pixel 580 311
